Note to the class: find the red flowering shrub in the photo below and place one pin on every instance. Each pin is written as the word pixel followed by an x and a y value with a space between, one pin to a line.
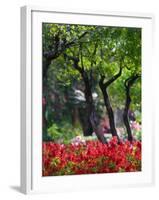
pixel 91 157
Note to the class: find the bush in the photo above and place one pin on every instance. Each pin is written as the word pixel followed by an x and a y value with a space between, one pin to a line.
pixel 63 133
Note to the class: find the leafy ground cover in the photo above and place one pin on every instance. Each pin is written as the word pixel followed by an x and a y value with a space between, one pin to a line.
pixel 88 157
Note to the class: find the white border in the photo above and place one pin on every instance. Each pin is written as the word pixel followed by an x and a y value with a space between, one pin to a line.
pixel 32 181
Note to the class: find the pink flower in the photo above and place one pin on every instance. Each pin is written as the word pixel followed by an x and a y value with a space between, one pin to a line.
pixel 135 125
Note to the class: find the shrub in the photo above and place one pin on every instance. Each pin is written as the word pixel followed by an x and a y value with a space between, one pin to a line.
pixel 63 133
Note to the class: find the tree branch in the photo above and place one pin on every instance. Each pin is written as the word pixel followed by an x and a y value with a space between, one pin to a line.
pixel 81 55
pixel 129 81
pixel 75 40
pixel 52 54
pixel 101 81
pixel 110 81
pixel 75 62
pixel 94 52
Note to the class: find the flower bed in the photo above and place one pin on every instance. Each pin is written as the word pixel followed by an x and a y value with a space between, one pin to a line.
pixel 91 157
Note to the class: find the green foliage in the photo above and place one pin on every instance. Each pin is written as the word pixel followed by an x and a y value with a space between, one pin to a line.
pixel 138 135
pixel 55 161
pixel 63 132
pixel 101 51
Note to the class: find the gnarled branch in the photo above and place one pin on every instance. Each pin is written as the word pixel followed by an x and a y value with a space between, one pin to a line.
pixel 52 54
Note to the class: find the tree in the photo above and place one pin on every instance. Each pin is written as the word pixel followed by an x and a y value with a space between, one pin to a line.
pixel 133 49
pixel 111 54
pixel 128 84
pixel 92 58
pixel 91 121
pixel 56 39
pixel 103 86
pixel 123 48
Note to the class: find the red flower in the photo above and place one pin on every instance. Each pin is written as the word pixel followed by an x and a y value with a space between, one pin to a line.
pixel 91 157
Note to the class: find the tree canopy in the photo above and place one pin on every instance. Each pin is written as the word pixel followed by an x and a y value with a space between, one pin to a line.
pixel 92 69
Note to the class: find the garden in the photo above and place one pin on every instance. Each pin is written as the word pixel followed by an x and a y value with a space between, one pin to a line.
pixel 91 99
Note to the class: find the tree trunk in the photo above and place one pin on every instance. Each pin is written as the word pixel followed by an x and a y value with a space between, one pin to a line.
pixel 128 83
pixel 75 117
pixel 93 120
pixel 97 127
pixel 85 122
pixel 125 115
pixel 89 105
pixel 109 111
pixel 103 86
